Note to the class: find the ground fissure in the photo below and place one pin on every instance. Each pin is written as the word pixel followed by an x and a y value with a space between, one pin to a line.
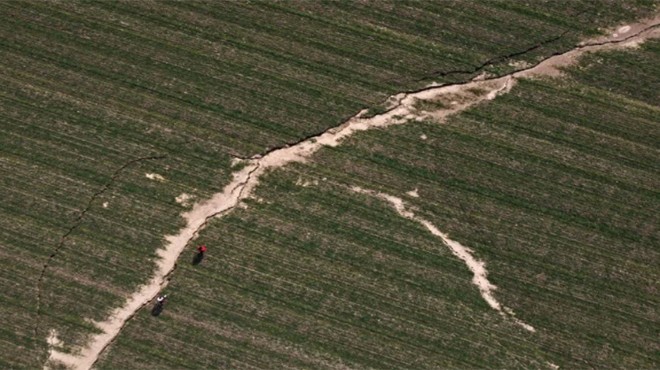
pixel 76 223
pixel 246 179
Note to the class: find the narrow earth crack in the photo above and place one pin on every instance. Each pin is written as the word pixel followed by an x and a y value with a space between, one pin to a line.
pixel 429 76
pixel 476 69
pixel 247 178
pixel 76 223
pixel 242 185
pixel 501 58
pixel 492 61
pixel 579 46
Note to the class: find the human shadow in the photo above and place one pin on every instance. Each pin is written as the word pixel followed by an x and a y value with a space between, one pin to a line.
pixel 197 259
pixel 157 309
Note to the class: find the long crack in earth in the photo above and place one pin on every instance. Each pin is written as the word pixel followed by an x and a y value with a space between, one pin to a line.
pixel 454 98
pixel 76 223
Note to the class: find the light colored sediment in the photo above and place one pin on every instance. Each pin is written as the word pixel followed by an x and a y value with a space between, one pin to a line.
pixel 457 98
pixel 183 199
pixel 235 162
pixel 553 366
pixel 154 176
pixel 413 193
pixel 624 37
pixel 53 340
pixel 478 268
pixel 195 218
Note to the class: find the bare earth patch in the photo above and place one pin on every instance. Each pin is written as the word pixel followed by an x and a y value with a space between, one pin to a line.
pixel 184 199
pixel 154 176
pixel 53 340
pixel 235 162
pixel 413 193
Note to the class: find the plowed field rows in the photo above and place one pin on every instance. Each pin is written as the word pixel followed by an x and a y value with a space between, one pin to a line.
pixel 553 185
pixel 110 111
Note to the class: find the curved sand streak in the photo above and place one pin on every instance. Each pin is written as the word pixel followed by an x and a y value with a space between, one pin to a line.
pixel 462 96
pixel 478 268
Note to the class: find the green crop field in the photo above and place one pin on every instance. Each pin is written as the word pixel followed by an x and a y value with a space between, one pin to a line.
pixel 554 186
pixel 112 113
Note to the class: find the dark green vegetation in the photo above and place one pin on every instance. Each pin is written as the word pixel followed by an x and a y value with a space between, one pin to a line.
pixel 554 185
pixel 241 78
pixel 87 87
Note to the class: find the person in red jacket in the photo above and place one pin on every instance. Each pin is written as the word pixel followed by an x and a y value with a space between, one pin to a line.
pixel 201 249
pixel 200 255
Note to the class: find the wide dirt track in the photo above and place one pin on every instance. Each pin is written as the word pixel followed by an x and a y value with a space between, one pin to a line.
pixel 96 96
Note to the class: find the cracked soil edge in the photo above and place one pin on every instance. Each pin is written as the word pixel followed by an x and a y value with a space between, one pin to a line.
pixel 76 223
pixel 462 96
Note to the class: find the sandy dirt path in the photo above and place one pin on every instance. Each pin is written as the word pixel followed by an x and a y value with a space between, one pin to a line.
pixel 405 109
